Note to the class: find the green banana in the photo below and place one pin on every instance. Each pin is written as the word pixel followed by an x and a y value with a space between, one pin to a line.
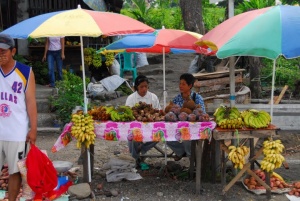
pixel 265 114
pixel 246 118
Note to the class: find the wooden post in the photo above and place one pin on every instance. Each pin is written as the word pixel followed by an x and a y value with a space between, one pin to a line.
pixel 192 159
pixel 198 166
pixel 85 165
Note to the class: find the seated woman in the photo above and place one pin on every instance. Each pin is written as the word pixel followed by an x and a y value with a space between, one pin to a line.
pixel 185 86
pixel 142 94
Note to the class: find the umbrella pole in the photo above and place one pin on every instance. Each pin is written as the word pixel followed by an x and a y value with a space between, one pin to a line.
pixel 165 94
pixel 272 92
pixel 232 80
pixel 85 107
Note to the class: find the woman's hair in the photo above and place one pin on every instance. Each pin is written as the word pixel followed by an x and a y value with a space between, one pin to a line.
pixel 189 78
pixel 139 80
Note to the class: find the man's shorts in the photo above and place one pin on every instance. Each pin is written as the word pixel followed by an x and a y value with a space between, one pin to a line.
pixel 11 152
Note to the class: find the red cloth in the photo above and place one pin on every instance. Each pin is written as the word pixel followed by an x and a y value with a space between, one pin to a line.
pixel 41 174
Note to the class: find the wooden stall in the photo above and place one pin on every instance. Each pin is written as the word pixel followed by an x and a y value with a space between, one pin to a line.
pixel 222 135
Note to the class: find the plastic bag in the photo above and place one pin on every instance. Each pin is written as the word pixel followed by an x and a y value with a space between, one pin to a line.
pixel 27 192
pixel 41 174
pixel 114 69
pixel 141 60
pixel 194 68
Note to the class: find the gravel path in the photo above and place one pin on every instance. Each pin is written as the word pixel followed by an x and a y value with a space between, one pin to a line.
pixel 155 186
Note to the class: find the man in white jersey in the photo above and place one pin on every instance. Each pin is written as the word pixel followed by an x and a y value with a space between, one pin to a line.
pixel 17 111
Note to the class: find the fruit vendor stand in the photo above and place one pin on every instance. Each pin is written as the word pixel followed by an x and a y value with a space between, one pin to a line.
pixel 247 125
pixel 149 131
pixel 219 137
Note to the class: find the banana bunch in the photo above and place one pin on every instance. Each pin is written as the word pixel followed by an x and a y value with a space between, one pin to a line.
pixel 109 58
pixel 227 117
pixel 272 155
pixel 88 55
pixel 97 60
pixel 122 113
pixel 83 129
pixel 256 119
pixel 237 155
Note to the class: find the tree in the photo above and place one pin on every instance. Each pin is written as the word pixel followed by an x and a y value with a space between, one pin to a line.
pixel 192 15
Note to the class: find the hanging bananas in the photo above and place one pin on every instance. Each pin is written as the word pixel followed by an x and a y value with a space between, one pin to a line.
pixel 109 58
pixel 272 155
pixel 227 117
pixel 83 129
pixel 237 155
pixel 256 119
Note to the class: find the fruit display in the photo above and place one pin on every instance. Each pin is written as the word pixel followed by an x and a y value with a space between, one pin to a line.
pixel 188 112
pixel 97 60
pixel 109 58
pixel 237 155
pixel 146 113
pixel 228 118
pixel 295 189
pixel 256 119
pixel 92 57
pixel 272 155
pixel 276 181
pixel 101 113
pixel 83 129
pixel 122 113
pixel 88 55
pixel 4 175
pixel 232 118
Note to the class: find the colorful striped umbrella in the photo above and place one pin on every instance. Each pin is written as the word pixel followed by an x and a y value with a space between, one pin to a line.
pixel 268 32
pixel 160 41
pixel 157 42
pixel 77 22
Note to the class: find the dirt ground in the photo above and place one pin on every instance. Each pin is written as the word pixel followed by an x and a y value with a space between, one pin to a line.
pixel 155 186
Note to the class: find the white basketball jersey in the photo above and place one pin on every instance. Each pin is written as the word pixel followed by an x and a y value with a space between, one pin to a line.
pixel 14 121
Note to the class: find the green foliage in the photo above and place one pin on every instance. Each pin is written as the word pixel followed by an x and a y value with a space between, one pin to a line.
pixel 287 71
pixel 39 68
pixel 158 17
pixel 213 16
pixel 140 11
pixel 20 59
pixel 255 4
pixel 70 94
pixel 170 18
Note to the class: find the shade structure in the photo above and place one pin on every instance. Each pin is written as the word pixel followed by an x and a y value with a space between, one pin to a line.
pixel 268 32
pixel 160 41
pixel 77 22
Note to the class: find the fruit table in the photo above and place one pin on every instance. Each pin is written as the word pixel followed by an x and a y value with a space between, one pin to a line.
pixel 220 135
pixel 151 131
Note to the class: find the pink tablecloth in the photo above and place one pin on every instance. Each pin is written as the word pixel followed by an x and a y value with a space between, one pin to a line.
pixel 143 131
